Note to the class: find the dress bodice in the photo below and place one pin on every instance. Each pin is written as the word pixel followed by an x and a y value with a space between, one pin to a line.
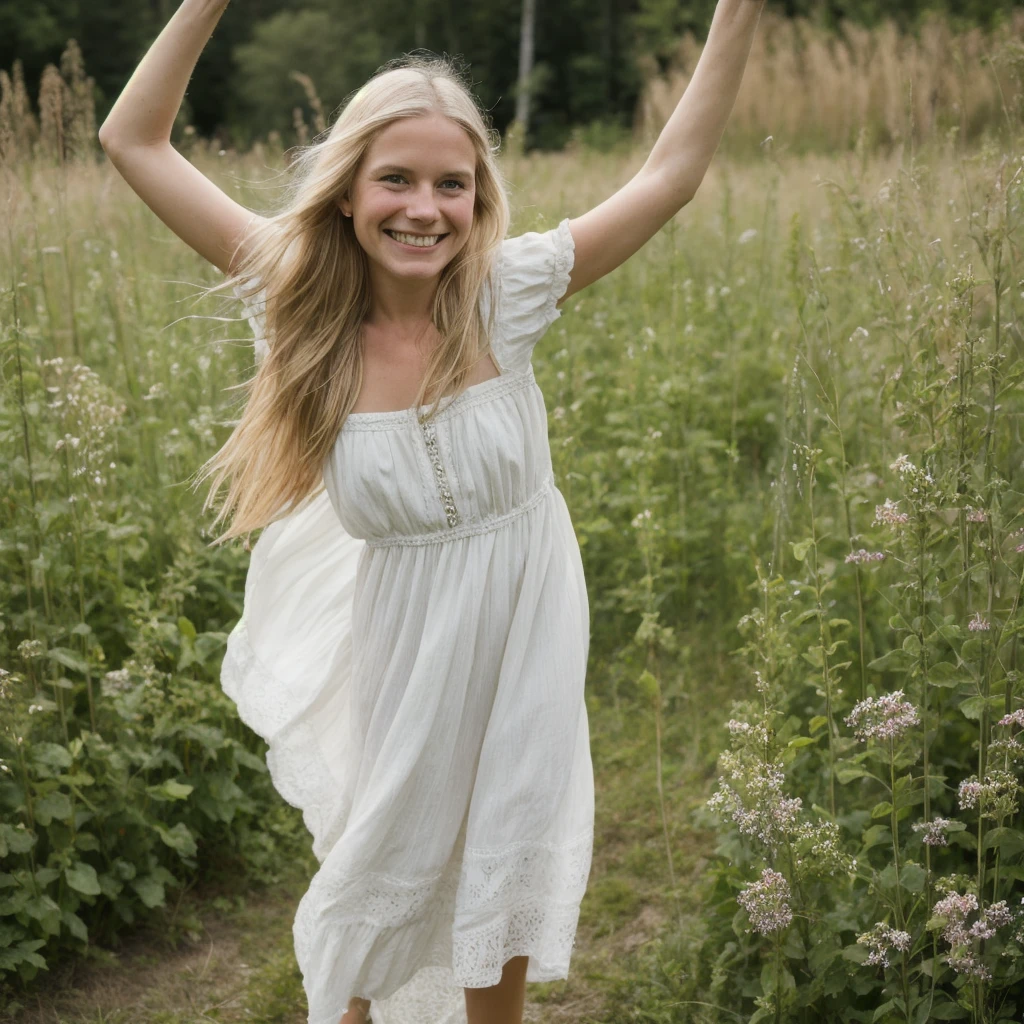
pixel 482 458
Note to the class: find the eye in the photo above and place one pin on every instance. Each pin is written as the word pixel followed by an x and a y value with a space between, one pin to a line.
pixel 388 176
pixel 452 181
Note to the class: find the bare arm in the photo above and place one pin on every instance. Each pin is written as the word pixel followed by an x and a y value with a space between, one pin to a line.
pixel 136 137
pixel 609 234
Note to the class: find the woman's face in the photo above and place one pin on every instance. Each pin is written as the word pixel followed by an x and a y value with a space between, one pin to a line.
pixel 412 199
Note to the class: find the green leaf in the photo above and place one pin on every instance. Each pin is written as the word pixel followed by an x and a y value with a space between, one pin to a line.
pixel 801 741
pixel 845 775
pixel 948 1011
pixel 82 878
pixel 912 877
pixel 186 629
pixel 178 838
pixel 817 722
pixel 800 548
pixel 69 658
pixel 1009 841
pixel 881 810
pixel 53 806
pixel 175 790
pixel 648 684
pixel 912 644
pixel 973 707
pixel 75 925
pixel 150 890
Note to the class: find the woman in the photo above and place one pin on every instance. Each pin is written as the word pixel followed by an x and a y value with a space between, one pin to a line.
pixel 415 634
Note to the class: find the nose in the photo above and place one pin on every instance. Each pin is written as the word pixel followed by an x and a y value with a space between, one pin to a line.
pixel 422 203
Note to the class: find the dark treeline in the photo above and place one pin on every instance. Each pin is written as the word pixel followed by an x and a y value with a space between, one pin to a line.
pixel 591 55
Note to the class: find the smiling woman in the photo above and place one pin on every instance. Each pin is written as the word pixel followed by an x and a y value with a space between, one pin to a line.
pixel 414 637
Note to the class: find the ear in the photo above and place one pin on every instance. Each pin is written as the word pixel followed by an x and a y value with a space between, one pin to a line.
pixel 345 205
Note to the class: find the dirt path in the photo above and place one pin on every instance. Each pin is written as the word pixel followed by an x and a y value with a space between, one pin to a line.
pixel 228 957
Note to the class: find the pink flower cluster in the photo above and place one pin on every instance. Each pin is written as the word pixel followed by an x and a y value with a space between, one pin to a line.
pixel 767 815
pixel 889 514
pixel 882 718
pixel 1013 718
pixel 956 908
pixel 882 940
pixel 998 785
pixel 861 557
pixel 979 624
pixel 766 902
pixel 935 831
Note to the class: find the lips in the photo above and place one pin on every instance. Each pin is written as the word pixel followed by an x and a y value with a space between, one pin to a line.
pixel 415 240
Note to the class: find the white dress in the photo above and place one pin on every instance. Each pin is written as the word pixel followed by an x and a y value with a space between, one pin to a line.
pixel 413 648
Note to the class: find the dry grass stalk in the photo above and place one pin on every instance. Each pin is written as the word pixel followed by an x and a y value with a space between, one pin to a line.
pixel 319 121
pixel 66 129
pixel 806 86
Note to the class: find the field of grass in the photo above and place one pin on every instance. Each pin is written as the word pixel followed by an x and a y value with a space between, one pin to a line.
pixel 725 412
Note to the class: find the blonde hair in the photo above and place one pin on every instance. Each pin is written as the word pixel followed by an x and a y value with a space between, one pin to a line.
pixel 316 280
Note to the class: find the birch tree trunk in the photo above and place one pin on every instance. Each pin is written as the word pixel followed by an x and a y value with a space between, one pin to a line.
pixel 526 31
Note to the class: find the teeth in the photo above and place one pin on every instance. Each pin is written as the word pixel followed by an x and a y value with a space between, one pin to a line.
pixel 421 240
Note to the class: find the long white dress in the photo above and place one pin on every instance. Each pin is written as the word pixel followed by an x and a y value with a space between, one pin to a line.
pixel 413 648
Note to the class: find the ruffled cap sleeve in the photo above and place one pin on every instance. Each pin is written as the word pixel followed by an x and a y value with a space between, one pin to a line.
pixel 531 275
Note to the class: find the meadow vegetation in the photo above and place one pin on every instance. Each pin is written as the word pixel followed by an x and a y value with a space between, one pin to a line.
pixel 789 433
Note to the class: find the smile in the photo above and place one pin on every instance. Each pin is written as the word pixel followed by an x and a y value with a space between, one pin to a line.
pixel 418 241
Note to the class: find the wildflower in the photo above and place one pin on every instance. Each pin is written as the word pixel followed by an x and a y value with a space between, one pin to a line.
pixel 995 796
pixel 639 518
pixel 819 849
pixel 953 911
pixel 116 682
pixel 889 514
pixel 885 718
pixel 862 556
pixel 935 830
pixel 882 940
pixel 748 236
pixel 1013 718
pixel 30 649
pixel 766 902
pixel 903 465
pixel 766 813
pixel 979 624
pixel 976 515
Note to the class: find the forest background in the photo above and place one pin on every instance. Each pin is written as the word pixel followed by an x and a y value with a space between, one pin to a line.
pixel 592 57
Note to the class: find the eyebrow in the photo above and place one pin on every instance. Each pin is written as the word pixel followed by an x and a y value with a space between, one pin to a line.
pixel 394 168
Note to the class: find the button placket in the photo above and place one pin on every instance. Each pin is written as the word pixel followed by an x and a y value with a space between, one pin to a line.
pixel 440 476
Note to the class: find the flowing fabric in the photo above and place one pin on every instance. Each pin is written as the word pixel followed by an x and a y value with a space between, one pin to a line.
pixel 413 648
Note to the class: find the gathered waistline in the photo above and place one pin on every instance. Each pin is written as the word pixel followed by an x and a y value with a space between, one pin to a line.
pixel 466 528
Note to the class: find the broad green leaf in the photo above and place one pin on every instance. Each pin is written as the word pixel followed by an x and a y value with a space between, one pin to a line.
pixel 82 878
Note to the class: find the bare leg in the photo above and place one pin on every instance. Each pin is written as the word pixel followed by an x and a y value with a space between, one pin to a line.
pixel 502 1003
pixel 357 1011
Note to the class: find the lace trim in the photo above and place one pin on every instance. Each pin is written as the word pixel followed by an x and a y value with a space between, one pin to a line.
pixel 465 529
pixel 536 914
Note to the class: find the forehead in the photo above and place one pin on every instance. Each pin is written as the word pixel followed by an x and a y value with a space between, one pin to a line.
pixel 430 144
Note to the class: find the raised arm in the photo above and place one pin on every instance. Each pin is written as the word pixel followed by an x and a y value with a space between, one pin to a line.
pixel 610 233
pixel 136 137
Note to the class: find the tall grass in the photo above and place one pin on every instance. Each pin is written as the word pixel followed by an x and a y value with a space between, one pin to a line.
pixel 809 88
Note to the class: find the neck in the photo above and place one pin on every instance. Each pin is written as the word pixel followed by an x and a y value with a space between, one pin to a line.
pixel 394 303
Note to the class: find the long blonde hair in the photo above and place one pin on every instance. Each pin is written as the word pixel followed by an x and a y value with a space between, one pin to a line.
pixel 316 280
